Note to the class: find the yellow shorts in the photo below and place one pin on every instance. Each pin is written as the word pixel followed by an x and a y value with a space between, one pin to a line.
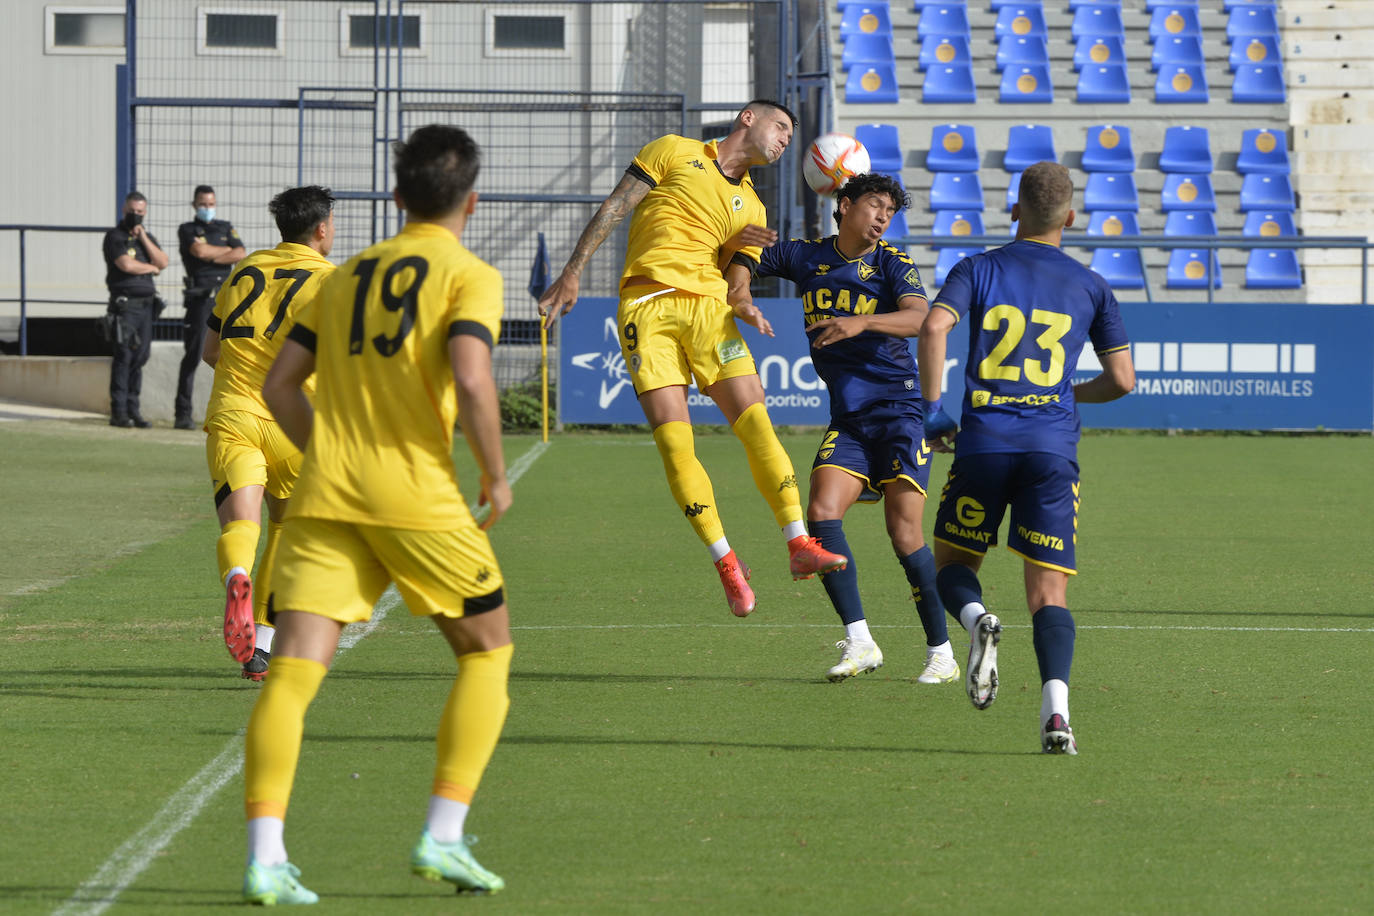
pixel 668 337
pixel 339 570
pixel 243 449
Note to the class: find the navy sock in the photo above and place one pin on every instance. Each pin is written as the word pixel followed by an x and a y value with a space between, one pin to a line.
pixel 842 585
pixel 920 572
pixel 958 585
pixel 1054 635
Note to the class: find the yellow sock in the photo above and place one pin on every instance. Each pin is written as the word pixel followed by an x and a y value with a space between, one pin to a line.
pixel 237 546
pixel 471 722
pixel 262 580
pixel 273 743
pixel 688 480
pixel 770 464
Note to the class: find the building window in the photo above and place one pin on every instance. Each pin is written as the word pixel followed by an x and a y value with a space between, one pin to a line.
pixel 362 31
pixel 84 30
pixel 515 32
pixel 229 31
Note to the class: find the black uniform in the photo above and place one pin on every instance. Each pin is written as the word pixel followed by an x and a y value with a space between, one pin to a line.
pixel 133 303
pixel 203 279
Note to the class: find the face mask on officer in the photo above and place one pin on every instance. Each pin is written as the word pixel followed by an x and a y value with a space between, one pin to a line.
pixel 205 214
pixel 132 219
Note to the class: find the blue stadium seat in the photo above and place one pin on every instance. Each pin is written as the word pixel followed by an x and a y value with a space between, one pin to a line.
pixel 998 5
pixel 947 258
pixel 1228 5
pixel 897 226
pixel 1188 269
pixel 1026 83
pixel 1152 5
pixel 1259 85
pixel 944 49
pixel 1264 151
pixel 1014 50
pixel 1187 150
pixel 1021 20
pixel 1013 189
pixel 949 83
pixel 1190 222
pixel 1174 21
pixel 866 19
pixel 1075 5
pixel 1108 191
pixel 1182 83
pixel 1098 49
pixel 1120 267
pixel 871 84
pixel 953 148
pixel 957 222
pixel 956 191
pixel 1269 223
pixel 1267 192
pixel 1108 149
pixel 946 19
pixel 1184 49
pixel 1255 50
pixel 883 144
pixel 1113 222
pixel 1028 144
pixel 1104 83
pixel 1097 20
pixel 922 4
pixel 1251 20
pixel 1273 268
pixel 867 50
pixel 1187 192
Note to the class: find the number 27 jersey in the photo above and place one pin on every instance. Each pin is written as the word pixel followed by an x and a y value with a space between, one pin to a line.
pixel 380 450
pixel 1030 310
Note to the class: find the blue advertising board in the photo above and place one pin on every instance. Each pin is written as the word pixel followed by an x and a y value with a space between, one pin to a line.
pixel 1198 366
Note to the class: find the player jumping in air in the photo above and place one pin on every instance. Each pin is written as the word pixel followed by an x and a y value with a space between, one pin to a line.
pixel 1031 308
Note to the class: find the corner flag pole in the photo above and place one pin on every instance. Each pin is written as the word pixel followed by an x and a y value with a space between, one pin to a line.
pixel 539 281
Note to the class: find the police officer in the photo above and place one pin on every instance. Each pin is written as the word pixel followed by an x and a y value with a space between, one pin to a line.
pixel 132 259
pixel 209 249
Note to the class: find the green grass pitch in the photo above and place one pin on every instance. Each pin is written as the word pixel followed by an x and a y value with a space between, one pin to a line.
pixel 664 757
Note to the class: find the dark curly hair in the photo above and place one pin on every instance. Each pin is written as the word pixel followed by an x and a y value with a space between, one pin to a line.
pixel 872 183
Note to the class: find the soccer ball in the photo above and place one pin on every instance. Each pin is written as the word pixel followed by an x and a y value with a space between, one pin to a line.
pixel 831 160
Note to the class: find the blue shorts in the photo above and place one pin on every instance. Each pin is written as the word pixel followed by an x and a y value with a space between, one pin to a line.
pixel 882 444
pixel 1042 490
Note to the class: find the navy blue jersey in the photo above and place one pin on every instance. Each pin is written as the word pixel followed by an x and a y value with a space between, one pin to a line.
pixel 868 367
pixel 1030 309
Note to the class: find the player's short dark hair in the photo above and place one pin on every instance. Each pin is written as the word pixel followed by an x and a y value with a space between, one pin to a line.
pixel 133 196
pixel 1045 197
pixel 769 103
pixel 872 183
pixel 299 210
pixel 201 189
pixel 435 169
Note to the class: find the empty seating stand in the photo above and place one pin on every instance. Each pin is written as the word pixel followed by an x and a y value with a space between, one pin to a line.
pixel 1028 144
pixel 871 83
pixel 883 144
pixel 953 148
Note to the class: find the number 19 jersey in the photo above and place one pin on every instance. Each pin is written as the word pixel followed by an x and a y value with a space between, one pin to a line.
pixel 254 312
pixel 1030 309
pixel 380 450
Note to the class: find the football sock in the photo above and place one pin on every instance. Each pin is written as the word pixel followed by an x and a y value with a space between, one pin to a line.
pixel 273 741
pixel 770 465
pixel 688 481
pixel 858 631
pixel 943 648
pixel 265 844
pixel 842 585
pixel 793 530
pixel 445 819
pixel 262 637
pixel 1054 698
pixel 961 593
pixel 470 725
pixel 719 550
pixel 1053 633
pixel 262 581
pixel 920 574
pixel 237 546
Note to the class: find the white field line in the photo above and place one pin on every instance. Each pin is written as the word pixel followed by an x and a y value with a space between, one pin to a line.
pixel 917 626
pixel 97 893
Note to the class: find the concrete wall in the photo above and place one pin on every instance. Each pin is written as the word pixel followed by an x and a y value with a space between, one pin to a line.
pixel 83 382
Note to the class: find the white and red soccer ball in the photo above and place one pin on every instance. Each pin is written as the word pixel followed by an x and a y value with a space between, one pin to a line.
pixel 831 160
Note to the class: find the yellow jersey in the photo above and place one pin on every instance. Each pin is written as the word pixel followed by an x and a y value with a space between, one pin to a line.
pixel 380 450
pixel 692 209
pixel 254 312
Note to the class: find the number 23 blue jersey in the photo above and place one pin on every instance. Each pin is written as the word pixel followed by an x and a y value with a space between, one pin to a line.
pixel 1030 309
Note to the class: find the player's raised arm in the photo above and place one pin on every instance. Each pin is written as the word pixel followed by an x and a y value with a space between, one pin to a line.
pixel 741 298
pixel 561 295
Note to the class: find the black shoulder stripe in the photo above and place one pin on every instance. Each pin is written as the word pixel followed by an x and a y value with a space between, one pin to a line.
pixel 745 261
pixel 642 175
pixel 303 336
pixel 471 329
pixel 214 323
